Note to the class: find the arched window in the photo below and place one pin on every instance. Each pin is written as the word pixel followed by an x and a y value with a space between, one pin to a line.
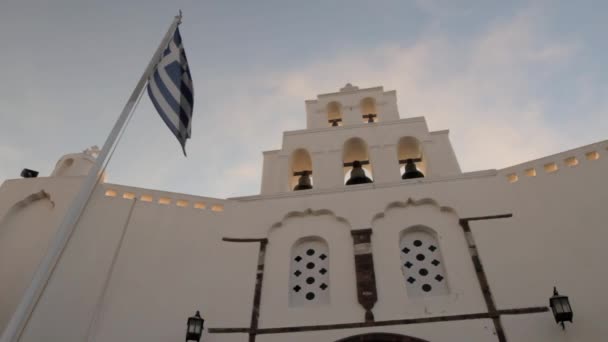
pixel 300 177
pixel 421 262
pixel 309 278
pixel 334 113
pixel 412 164
pixel 380 337
pixel 369 112
pixel 357 167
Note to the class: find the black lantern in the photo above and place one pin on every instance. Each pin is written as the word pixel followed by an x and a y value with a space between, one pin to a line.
pixel 27 173
pixel 562 311
pixel 195 327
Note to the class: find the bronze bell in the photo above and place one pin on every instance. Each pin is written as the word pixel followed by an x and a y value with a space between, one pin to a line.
pixel 303 182
pixel 357 175
pixel 411 171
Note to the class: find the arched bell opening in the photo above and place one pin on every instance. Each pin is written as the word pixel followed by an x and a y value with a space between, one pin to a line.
pixel 411 161
pixel 301 170
pixel 369 113
pixel 356 164
pixel 334 114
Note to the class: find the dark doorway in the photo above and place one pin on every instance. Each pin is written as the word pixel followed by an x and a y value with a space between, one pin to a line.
pixel 380 337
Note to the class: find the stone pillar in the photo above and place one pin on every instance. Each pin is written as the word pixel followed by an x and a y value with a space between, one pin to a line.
pixel 364 267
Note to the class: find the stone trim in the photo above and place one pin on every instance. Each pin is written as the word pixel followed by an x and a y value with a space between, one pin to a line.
pixel 490 217
pixel 364 268
pixel 481 274
pixel 257 295
pixel 244 240
pixel 367 295
pixel 434 319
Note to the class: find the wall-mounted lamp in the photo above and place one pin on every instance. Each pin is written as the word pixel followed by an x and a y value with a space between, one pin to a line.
pixel 195 327
pixel 562 311
pixel 27 173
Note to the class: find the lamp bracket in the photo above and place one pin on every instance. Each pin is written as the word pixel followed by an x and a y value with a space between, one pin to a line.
pixel 363 162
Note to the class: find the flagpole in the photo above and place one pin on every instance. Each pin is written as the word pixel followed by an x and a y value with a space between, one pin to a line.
pixel 30 298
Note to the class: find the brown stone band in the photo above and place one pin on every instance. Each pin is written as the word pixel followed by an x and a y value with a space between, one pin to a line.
pixel 491 217
pixel 259 278
pixel 481 274
pixel 244 240
pixel 364 268
pixel 481 315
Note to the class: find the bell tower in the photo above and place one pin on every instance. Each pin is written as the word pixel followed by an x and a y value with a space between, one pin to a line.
pixel 76 164
pixel 355 137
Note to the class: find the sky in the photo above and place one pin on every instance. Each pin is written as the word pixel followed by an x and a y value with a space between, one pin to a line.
pixel 511 80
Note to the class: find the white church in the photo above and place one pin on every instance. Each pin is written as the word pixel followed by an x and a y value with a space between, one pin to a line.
pixel 365 229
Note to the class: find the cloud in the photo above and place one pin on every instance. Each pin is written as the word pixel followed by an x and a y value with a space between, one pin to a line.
pixel 480 89
pixel 483 87
pixel 439 9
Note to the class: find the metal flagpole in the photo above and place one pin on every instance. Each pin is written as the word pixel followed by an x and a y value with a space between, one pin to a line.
pixel 42 275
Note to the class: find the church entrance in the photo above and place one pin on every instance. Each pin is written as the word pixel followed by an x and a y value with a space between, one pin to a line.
pixel 380 337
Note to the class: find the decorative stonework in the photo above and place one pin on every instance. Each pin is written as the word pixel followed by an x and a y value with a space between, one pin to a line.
pixel 481 274
pixel 394 322
pixel 364 266
pixel 257 296
pixel 259 279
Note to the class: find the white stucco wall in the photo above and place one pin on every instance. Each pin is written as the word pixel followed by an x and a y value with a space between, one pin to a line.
pixel 30 212
pixel 172 260
pixel 395 303
pixel 276 310
pixel 350 100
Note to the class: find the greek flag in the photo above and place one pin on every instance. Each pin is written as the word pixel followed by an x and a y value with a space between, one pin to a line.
pixel 170 89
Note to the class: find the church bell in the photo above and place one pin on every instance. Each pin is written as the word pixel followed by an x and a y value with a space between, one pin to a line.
pixel 411 171
pixel 357 175
pixel 303 182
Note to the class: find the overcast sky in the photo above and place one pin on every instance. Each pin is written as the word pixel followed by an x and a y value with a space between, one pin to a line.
pixel 512 80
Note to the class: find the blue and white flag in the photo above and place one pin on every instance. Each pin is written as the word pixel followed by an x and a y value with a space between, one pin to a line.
pixel 170 89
